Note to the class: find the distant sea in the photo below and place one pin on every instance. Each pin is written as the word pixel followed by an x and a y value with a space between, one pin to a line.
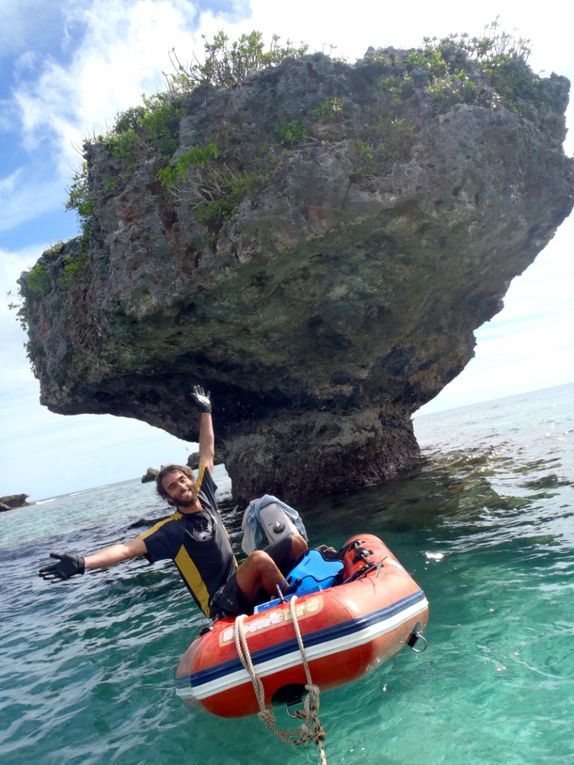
pixel 485 524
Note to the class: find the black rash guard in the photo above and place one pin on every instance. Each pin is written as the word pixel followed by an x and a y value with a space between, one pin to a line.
pixel 197 543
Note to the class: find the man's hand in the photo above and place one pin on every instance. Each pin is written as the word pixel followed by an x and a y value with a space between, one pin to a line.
pixel 201 398
pixel 329 553
pixel 67 566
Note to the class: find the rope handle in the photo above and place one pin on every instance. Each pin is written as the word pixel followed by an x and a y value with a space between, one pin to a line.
pixel 311 728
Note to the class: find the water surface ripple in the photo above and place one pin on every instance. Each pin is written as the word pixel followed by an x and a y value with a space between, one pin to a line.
pixel 485 526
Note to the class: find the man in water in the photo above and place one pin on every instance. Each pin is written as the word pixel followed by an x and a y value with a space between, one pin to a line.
pixel 195 538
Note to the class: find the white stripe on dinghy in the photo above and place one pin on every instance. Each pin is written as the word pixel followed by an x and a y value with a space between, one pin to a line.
pixel 293 658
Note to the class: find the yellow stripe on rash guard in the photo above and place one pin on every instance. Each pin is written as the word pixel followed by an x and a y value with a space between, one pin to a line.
pixel 199 480
pixel 192 578
pixel 174 517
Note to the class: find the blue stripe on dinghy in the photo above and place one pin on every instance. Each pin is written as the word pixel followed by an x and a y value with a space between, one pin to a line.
pixel 324 635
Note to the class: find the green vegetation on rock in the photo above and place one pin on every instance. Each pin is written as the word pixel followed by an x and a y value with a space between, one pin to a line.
pixel 152 129
pixel 153 126
pixel 72 266
pixel 227 64
pixel 37 279
pixel 196 157
pixel 488 71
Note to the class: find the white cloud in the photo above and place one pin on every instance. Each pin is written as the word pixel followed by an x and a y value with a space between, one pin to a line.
pixel 14 364
pixel 353 27
pixel 25 22
pixel 122 52
pixel 25 195
pixel 8 183
pixel 13 263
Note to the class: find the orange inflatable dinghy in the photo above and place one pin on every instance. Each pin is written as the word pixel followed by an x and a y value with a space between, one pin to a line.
pixel 347 630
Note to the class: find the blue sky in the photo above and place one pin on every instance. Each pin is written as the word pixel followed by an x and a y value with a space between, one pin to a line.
pixel 69 66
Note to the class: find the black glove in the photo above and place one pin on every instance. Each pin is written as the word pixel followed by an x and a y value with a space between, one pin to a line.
pixel 201 398
pixel 67 566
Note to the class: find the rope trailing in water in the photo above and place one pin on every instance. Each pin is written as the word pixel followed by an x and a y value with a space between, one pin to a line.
pixel 311 728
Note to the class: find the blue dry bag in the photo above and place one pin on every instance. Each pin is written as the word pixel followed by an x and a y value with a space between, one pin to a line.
pixel 313 573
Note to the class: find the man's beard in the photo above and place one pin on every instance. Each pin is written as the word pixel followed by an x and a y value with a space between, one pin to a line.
pixel 186 502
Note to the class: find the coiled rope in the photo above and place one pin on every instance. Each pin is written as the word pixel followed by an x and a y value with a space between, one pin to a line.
pixel 311 728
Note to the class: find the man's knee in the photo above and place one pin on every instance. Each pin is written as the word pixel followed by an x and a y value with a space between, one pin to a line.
pixel 258 560
pixel 298 545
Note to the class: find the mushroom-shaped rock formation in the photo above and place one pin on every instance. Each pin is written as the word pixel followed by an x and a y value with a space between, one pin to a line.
pixel 315 247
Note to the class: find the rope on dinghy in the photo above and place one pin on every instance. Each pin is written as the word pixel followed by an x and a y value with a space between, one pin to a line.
pixel 311 728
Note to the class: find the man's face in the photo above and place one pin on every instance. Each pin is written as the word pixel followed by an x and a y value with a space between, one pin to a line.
pixel 180 488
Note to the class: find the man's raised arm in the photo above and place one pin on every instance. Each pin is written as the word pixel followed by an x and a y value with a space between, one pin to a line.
pixel 206 434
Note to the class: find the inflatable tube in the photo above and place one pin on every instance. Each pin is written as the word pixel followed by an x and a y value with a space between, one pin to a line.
pixel 347 630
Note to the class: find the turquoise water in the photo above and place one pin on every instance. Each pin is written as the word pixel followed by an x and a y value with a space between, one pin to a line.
pixel 486 527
